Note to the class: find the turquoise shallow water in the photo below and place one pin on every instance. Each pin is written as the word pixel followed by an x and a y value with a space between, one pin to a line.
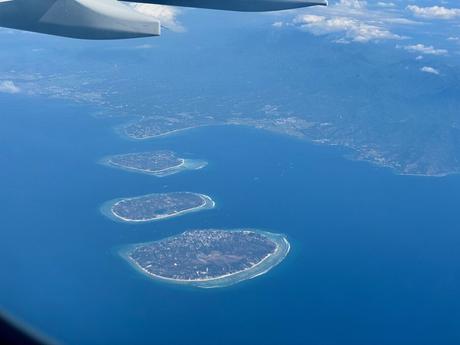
pixel 374 256
pixel 262 267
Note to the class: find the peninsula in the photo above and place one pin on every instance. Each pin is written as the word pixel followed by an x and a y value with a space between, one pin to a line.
pixel 156 126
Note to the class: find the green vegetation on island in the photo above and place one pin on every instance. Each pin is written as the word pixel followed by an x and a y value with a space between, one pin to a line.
pixel 209 258
pixel 156 206
pixel 156 126
pixel 157 163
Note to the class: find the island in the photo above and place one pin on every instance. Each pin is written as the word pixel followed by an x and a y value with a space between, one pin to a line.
pixel 209 258
pixel 156 126
pixel 157 163
pixel 156 206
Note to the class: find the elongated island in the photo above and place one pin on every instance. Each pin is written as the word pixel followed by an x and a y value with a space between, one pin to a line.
pixel 158 126
pixel 156 206
pixel 157 163
pixel 209 258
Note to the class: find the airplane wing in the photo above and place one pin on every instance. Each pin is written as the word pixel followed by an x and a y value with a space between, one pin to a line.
pixel 238 5
pixel 113 19
pixel 89 19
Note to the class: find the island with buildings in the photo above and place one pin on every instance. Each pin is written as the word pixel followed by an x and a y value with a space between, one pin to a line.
pixel 157 126
pixel 157 163
pixel 157 206
pixel 209 258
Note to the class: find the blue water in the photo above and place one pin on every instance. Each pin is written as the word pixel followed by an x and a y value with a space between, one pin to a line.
pixel 374 260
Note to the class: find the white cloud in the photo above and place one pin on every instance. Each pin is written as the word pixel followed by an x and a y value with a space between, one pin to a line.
pixel 434 12
pixel 431 70
pixel 309 19
pixel 427 50
pixel 386 4
pixel 353 3
pixel 352 29
pixel 167 15
pixel 8 86
pixel 278 24
pixel 352 21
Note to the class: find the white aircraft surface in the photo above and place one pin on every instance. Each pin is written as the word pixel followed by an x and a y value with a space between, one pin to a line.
pixel 113 19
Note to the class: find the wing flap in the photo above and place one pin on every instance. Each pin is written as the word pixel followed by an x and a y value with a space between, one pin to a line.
pixel 88 19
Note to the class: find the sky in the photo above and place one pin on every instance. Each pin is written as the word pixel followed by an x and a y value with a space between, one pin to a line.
pixel 427 30
pixel 419 27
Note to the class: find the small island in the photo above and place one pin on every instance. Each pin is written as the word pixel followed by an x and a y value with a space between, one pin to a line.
pixel 157 163
pixel 156 126
pixel 157 206
pixel 209 258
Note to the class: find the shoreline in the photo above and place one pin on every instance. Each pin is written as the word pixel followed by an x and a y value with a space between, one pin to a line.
pixel 146 171
pixel 266 264
pixel 352 155
pixel 163 134
pixel 107 209
pixel 184 165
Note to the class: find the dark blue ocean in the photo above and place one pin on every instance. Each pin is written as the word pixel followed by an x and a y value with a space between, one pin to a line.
pixel 375 257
